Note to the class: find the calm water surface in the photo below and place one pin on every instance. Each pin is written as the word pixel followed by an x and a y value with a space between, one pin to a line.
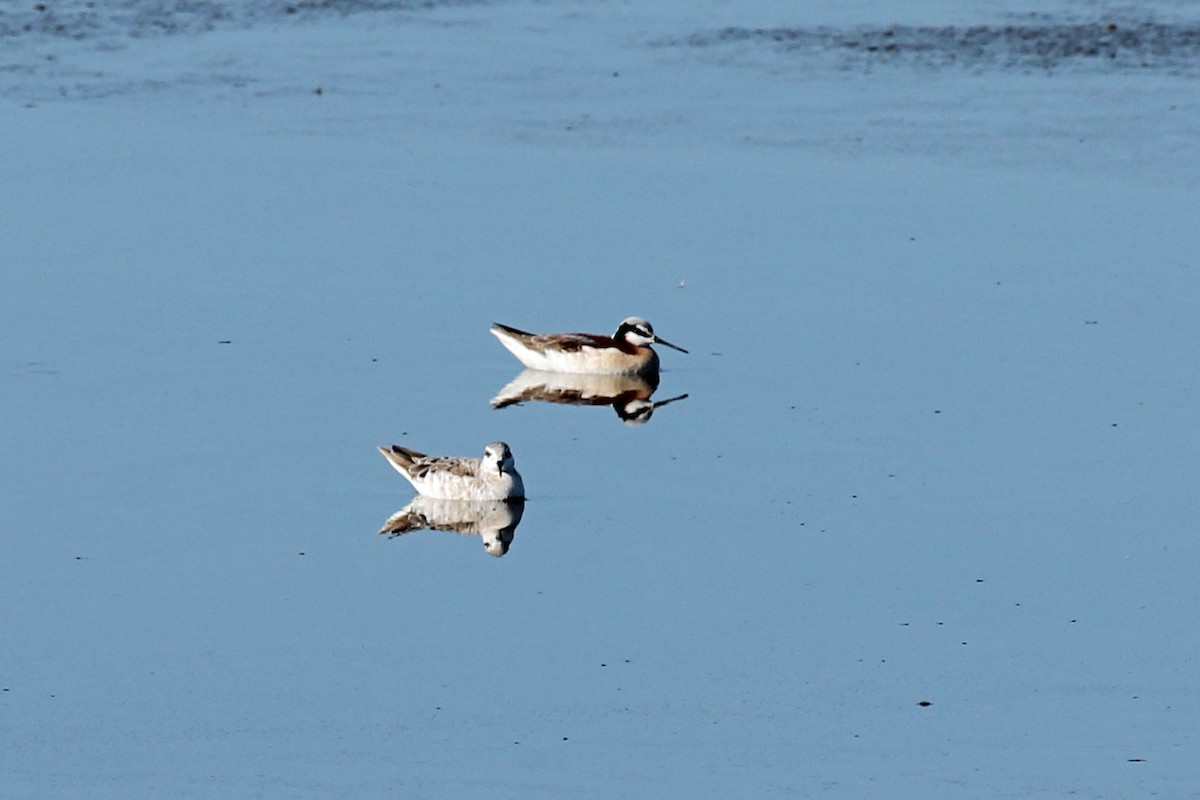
pixel 923 525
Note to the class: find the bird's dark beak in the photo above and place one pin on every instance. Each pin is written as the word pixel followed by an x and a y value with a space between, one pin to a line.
pixel 668 344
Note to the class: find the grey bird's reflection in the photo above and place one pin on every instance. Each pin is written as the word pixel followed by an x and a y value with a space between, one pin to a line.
pixel 495 521
pixel 629 395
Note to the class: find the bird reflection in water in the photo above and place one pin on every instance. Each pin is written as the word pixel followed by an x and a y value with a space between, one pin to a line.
pixel 629 395
pixel 495 521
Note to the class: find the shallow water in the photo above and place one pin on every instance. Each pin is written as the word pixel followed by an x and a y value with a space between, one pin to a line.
pixel 923 525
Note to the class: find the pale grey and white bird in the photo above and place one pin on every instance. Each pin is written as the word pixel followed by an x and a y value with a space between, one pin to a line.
pixel 492 477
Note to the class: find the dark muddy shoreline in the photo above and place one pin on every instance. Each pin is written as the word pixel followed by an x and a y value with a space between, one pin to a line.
pixel 1038 44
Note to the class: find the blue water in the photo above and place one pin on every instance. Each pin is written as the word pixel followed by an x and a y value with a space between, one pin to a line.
pixel 923 526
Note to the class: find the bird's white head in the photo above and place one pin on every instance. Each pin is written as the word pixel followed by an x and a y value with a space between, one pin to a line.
pixel 640 333
pixel 497 456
